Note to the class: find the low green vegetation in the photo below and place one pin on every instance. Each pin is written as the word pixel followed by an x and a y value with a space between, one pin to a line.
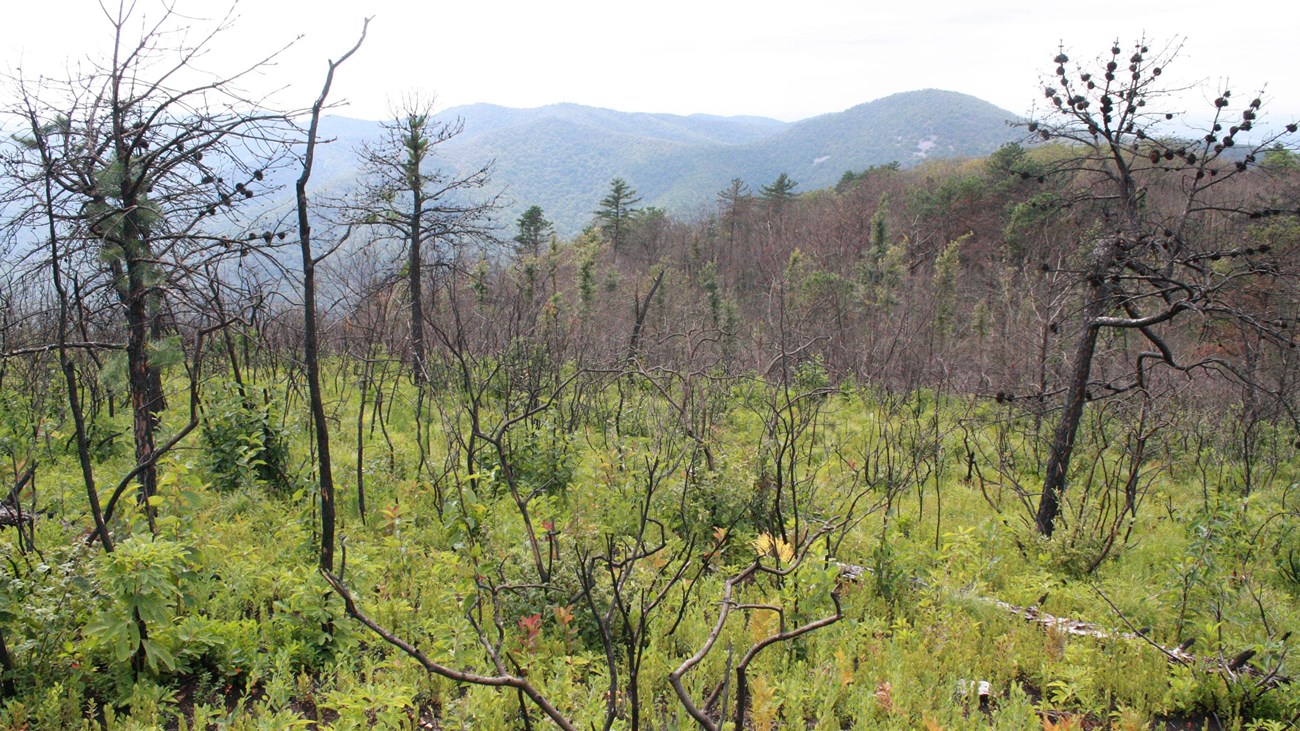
pixel 221 616
pixel 1008 442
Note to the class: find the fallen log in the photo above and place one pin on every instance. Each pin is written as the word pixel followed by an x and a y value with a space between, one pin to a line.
pixel 1234 668
pixel 11 517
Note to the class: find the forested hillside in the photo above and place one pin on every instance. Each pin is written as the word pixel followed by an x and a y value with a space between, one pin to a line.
pixel 1004 440
pixel 561 157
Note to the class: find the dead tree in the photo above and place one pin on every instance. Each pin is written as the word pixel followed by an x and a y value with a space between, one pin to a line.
pixel 137 151
pixel 1152 256
pixel 311 342
pixel 426 208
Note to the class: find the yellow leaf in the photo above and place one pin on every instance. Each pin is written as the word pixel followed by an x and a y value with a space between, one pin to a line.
pixel 767 545
pixel 844 665
pixel 784 551
pixel 763 623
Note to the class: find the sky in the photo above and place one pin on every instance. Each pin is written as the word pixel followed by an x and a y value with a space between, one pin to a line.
pixel 788 59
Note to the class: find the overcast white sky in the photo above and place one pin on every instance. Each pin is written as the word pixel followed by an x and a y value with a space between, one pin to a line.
pixel 788 59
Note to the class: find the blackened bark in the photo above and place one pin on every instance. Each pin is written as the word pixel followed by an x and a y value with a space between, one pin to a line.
pixel 1076 394
pixel 1058 461
pixel 7 689
pixel 641 309
pixel 141 376
pixel 415 283
pixel 311 345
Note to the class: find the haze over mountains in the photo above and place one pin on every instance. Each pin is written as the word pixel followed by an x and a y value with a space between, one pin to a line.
pixel 563 156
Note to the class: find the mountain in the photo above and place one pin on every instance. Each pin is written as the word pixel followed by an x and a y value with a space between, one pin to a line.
pixel 485 121
pixel 562 156
pixel 907 128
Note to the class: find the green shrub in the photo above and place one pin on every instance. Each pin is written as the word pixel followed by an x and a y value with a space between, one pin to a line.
pixel 244 443
pixel 142 577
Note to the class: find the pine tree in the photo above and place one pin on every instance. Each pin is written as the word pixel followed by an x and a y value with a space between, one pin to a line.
pixel 779 193
pixel 615 211
pixel 534 229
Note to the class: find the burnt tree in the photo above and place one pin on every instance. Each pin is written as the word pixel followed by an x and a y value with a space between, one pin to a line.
pixel 1162 242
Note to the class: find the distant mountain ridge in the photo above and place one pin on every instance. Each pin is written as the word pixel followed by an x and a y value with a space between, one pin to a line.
pixel 562 156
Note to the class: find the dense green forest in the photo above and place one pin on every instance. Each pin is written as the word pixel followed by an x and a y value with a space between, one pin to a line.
pixel 995 442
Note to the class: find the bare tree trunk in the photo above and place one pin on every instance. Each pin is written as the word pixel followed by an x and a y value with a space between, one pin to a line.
pixel 134 290
pixel 641 308
pixel 366 369
pixel 415 283
pixel 311 344
pixel 1076 394
pixel 140 380
pixel 1058 461
pixel 65 363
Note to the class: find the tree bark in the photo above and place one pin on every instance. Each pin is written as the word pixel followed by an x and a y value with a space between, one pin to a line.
pixel 311 345
pixel 1058 461
pixel 1076 395
pixel 7 689
pixel 140 381
pixel 415 283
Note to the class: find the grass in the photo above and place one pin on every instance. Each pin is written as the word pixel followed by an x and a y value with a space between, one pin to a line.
pixel 257 639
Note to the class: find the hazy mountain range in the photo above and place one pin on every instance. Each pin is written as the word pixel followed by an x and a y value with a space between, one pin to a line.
pixel 563 156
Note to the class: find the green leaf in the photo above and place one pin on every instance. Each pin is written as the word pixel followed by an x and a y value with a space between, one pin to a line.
pixel 156 654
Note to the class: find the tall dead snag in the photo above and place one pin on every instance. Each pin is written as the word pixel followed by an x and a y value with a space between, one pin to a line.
pixel 310 338
pixel 1165 240
pixel 408 198
pixel 136 152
